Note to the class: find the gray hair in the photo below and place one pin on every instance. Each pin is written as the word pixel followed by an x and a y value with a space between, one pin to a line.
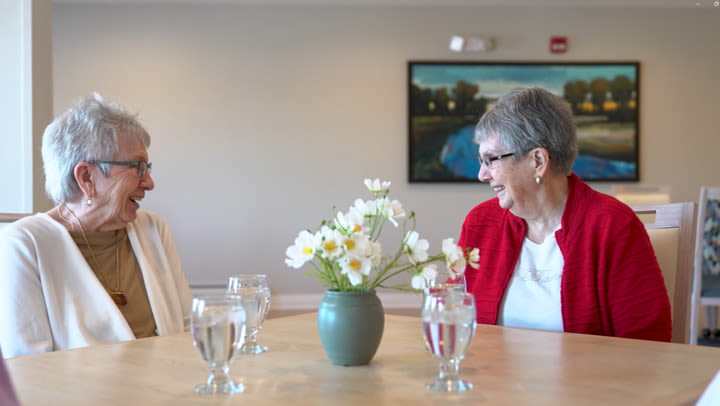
pixel 527 118
pixel 89 130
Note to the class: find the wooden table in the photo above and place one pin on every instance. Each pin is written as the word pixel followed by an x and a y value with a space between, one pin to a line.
pixel 508 367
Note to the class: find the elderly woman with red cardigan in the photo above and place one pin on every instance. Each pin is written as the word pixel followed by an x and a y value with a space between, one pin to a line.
pixel 554 253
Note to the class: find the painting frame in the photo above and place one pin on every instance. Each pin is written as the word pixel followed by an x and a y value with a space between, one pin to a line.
pixel 446 99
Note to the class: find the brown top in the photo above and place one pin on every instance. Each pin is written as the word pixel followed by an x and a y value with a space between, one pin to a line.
pixel 119 272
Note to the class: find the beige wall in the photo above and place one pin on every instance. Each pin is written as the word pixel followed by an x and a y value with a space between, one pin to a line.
pixel 264 117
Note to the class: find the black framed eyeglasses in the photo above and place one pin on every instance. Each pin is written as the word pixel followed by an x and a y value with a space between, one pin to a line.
pixel 489 160
pixel 141 166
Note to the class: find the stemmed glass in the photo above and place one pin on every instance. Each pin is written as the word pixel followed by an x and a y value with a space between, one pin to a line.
pixel 444 280
pixel 255 293
pixel 448 327
pixel 218 330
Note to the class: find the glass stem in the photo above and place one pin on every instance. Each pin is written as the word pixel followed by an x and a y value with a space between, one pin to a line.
pixel 449 370
pixel 219 375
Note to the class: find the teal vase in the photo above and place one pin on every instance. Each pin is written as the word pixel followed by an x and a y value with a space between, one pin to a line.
pixel 350 325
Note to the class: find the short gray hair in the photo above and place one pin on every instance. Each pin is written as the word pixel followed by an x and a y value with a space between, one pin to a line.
pixel 527 118
pixel 89 130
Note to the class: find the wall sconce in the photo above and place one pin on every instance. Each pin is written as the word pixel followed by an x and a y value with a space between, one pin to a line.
pixel 471 44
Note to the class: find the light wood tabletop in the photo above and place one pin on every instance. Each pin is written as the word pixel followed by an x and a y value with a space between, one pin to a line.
pixel 507 366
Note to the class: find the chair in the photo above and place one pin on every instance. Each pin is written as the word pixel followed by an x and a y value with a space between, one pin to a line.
pixel 706 278
pixel 670 227
pixel 634 195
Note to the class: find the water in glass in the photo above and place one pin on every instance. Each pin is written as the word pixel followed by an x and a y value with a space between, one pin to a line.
pixel 448 328
pixel 217 324
pixel 255 293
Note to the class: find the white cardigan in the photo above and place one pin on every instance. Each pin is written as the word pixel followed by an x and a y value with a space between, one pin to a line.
pixel 51 300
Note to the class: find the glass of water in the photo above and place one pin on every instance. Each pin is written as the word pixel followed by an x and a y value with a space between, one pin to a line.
pixel 255 293
pixel 218 331
pixel 448 327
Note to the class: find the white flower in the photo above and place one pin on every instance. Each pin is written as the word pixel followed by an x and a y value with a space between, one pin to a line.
pixel 353 221
pixel 415 247
pixel 474 258
pixel 364 208
pixel 346 254
pixel 302 251
pixel 355 267
pixel 420 280
pixel 390 209
pixel 331 242
pixel 357 244
pixel 454 258
pixel 396 211
pixel 376 186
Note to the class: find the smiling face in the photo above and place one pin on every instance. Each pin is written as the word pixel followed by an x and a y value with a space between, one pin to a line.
pixel 512 178
pixel 118 194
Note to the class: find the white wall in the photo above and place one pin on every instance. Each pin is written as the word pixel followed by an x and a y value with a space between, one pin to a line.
pixel 262 118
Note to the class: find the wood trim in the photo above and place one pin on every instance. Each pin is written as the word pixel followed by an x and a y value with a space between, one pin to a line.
pixel 10 217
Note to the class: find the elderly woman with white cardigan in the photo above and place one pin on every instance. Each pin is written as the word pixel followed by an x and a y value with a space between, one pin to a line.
pixel 95 268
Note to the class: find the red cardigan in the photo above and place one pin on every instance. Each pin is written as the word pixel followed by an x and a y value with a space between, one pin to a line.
pixel 611 282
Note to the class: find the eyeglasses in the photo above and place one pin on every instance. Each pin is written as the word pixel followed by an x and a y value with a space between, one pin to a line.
pixel 141 166
pixel 489 160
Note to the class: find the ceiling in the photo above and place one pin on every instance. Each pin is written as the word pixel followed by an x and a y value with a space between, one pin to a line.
pixel 511 3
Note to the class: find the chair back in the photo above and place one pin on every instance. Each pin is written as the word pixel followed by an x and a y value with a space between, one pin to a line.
pixel 670 227
pixel 706 273
pixel 634 195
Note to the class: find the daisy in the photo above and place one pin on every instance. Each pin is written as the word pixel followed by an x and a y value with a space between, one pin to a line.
pixel 302 251
pixel 416 248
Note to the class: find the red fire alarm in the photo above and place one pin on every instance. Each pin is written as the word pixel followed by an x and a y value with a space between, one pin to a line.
pixel 558 45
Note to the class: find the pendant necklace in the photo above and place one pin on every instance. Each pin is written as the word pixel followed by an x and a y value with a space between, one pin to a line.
pixel 116 294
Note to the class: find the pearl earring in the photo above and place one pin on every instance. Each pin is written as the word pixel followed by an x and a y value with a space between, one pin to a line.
pixel 89 201
pixel 538 180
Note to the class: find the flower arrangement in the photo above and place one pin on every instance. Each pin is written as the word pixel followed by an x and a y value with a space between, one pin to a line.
pixel 346 255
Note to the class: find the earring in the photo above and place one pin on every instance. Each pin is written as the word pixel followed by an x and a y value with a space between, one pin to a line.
pixel 538 180
pixel 89 201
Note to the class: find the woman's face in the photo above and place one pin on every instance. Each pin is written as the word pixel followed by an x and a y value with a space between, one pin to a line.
pixel 117 196
pixel 511 178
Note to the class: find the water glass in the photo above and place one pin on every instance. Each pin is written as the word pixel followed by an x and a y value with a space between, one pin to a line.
pixel 255 293
pixel 448 319
pixel 217 324
pixel 444 280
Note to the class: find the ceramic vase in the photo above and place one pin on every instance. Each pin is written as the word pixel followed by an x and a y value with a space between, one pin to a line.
pixel 350 325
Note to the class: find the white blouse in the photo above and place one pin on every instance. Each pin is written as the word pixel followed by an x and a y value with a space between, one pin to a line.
pixel 532 299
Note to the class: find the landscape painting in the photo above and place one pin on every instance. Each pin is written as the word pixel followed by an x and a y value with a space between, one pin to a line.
pixel 446 100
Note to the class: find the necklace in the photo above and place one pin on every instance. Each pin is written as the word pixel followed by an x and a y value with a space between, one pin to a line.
pixel 116 294
pixel 72 225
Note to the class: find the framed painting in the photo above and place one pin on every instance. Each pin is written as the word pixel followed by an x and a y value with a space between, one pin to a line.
pixel 446 100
